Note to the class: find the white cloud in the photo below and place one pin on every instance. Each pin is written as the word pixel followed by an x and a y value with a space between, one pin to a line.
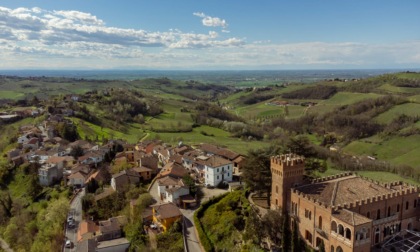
pixel 72 39
pixel 211 21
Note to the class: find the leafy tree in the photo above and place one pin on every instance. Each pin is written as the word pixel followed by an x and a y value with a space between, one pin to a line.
pixel 301 145
pixel 271 223
pixel 191 184
pixel 76 151
pixel 92 186
pixel 256 170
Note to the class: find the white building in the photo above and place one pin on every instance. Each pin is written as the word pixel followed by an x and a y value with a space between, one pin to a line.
pixel 170 189
pixel 217 169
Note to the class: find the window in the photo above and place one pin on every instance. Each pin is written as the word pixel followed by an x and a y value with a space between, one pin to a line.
pixel 310 214
pixel 217 169
pixel 406 205
pixel 389 211
pixel 398 207
pixel 340 230
pixel 217 177
pixel 378 214
pixel 348 233
pixel 320 222
pixel 308 236
pixel 334 227
pixel 368 215
pixel 277 202
pixel 415 203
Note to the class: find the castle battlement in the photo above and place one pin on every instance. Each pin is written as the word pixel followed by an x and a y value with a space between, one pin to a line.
pixel 287 160
pixel 398 189
pixel 332 177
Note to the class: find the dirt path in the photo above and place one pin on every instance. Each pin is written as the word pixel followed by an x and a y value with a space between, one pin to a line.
pixel 5 246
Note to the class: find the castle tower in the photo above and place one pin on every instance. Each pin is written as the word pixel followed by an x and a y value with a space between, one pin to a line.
pixel 287 171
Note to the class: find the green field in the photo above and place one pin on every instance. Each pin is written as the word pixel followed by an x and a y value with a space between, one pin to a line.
pixel 340 99
pixel 397 150
pixel 212 135
pixel 410 109
pixel 399 90
pixel 6 94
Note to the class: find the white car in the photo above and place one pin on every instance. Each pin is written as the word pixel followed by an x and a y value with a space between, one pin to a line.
pixel 70 218
pixel 68 244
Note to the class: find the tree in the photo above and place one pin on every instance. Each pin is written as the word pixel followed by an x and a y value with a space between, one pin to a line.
pixel 301 145
pixel 256 170
pixel 295 238
pixel 271 225
pixel 321 247
pixel 76 151
pixel 285 232
pixel 188 181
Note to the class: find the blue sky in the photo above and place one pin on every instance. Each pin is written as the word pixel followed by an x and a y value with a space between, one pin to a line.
pixel 187 34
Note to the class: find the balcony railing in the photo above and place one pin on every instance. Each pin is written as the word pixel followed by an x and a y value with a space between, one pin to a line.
pixel 393 217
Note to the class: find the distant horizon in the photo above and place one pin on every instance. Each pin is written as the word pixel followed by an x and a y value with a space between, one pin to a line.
pixel 284 75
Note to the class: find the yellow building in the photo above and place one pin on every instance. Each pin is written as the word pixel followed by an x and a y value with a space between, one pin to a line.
pixel 164 215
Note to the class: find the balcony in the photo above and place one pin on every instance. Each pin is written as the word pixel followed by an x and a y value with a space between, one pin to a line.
pixel 321 232
pixel 361 242
pixel 393 217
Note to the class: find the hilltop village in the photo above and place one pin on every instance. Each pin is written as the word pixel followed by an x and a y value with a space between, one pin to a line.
pixel 172 174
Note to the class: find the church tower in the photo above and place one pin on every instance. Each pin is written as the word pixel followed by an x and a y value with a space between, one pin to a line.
pixel 287 171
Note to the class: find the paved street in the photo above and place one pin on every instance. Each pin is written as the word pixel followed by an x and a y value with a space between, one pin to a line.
pixel 76 212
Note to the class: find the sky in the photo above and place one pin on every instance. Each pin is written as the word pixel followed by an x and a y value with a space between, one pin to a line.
pixel 209 35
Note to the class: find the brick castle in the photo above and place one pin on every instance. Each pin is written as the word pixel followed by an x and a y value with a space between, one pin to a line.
pixel 346 212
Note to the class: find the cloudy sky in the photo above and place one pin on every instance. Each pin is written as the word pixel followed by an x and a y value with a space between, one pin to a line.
pixel 213 34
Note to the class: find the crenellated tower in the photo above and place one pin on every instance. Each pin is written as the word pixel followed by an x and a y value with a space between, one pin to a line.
pixel 287 171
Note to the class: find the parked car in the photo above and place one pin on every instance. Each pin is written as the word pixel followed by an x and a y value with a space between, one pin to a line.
pixel 71 223
pixel 68 244
pixel 70 218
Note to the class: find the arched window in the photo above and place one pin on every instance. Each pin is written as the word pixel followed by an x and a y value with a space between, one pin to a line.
pixel 389 211
pixel 398 207
pixel 334 226
pixel 415 203
pixel 348 233
pixel 277 202
pixel 339 249
pixel 368 215
pixel 406 205
pixel 340 230
pixel 332 248
pixel 320 222
pixel 378 214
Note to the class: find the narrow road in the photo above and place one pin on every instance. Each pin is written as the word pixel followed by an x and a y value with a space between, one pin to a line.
pixel 76 212
pixel 5 246
pixel 193 243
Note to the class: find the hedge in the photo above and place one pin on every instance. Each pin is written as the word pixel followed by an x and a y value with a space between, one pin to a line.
pixel 205 241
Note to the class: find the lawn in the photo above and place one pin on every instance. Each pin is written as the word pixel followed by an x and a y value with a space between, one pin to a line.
pixel 410 109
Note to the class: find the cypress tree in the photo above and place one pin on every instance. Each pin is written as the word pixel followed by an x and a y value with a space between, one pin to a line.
pixel 285 241
pixel 321 247
pixel 295 238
